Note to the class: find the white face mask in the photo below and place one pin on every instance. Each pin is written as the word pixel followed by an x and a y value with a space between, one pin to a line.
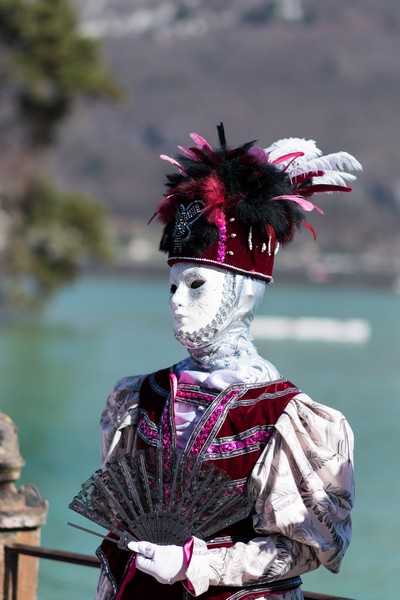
pixel 198 296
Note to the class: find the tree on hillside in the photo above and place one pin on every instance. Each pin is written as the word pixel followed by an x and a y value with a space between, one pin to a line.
pixel 46 65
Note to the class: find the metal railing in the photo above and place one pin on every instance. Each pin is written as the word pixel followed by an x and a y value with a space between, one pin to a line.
pixel 13 551
pixel 11 560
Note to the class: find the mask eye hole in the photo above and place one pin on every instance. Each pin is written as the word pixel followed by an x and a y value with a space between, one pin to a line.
pixel 173 288
pixel 196 284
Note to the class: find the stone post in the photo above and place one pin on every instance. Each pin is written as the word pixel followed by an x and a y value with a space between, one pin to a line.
pixel 22 513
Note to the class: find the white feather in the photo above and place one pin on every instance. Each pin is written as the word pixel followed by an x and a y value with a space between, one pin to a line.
pixel 289 145
pixel 334 178
pixel 330 163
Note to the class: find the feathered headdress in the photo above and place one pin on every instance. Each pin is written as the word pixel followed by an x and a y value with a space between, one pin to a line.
pixel 232 207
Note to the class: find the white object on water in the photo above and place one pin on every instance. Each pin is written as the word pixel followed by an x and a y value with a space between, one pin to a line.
pixel 349 331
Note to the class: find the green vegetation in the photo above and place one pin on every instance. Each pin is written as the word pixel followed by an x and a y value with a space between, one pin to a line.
pixel 50 236
pixel 46 65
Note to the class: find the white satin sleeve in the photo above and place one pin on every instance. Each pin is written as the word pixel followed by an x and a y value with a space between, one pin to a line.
pixel 303 491
pixel 120 411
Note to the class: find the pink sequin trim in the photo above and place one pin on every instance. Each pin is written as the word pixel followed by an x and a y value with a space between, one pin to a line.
pixel 166 431
pixel 221 252
pixel 166 450
pixel 194 395
pixel 151 434
pixel 236 445
pixel 201 439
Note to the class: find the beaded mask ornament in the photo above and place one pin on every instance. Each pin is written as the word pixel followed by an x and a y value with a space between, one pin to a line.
pixel 232 207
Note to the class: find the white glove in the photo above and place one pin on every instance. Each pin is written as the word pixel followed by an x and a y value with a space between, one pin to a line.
pixel 167 564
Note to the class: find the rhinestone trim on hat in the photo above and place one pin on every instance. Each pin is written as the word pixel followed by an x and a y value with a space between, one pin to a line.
pixel 185 217
pixel 209 261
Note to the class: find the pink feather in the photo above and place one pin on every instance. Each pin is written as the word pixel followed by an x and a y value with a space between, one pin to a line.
pixel 213 193
pixel 200 142
pixel 310 228
pixel 304 176
pixel 173 162
pixel 198 154
pixel 187 152
pixel 286 157
pixel 259 154
pixel 322 187
pixel 305 204
pixel 166 210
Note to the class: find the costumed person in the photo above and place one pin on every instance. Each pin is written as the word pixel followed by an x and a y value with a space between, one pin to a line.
pixel 226 212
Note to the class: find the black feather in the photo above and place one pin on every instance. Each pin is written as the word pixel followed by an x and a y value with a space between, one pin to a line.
pixel 250 188
pixel 221 135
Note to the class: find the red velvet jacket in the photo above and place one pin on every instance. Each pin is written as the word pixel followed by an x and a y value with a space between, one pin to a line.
pixel 233 431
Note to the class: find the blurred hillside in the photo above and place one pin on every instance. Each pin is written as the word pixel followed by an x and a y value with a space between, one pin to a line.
pixel 268 69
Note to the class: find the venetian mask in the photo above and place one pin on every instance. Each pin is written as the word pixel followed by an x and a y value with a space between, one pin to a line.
pixel 201 300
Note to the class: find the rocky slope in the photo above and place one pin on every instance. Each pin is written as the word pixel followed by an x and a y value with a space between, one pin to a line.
pixel 267 69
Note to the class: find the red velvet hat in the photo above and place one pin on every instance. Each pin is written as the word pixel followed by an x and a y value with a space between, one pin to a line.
pixel 232 207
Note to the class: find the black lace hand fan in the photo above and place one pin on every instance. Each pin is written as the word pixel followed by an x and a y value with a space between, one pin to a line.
pixel 155 496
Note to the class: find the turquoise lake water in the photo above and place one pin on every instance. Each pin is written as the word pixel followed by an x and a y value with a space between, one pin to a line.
pixel 56 372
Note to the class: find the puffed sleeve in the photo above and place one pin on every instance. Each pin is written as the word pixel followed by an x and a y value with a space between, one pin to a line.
pixel 120 411
pixel 303 491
